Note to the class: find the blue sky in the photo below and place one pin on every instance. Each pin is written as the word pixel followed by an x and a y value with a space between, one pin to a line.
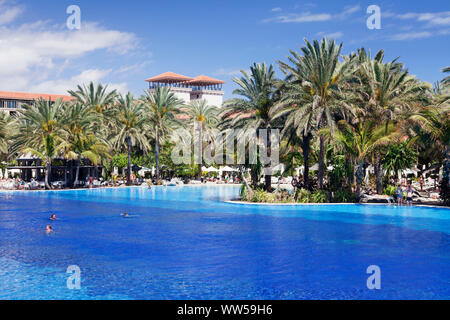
pixel 124 42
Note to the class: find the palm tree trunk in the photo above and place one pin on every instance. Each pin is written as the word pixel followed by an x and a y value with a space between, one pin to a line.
pixel 157 155
pixel 321 172
pixel 129 166
pixel 378 173
pixel 111 162
pixel 47 174
pixel 359 180
pixel 306 151
pixel 348 175
pixel 254 176
pixel 244 179
pixel 77 174
pixel 268 166
pixel 200 152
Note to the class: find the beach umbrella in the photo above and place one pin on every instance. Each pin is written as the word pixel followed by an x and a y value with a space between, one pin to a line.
pixel 143 171
pixel 228 169
pixel 212 169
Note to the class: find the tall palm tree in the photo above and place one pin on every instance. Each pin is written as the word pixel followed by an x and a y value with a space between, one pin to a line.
pixel 40 133
pixel 296 105
pixel 99 101
pixel 204 118
pixel 385 92
pixel 95 97
pixel 161 109
pixel 79 139
pixel 433 128
pixel 317 76
pixel 360 140
pixel 253 110
pixel 131 126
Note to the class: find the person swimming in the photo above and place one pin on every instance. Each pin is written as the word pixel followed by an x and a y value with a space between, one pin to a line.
pixel 48 229
pixel 53 217
pixel 126 215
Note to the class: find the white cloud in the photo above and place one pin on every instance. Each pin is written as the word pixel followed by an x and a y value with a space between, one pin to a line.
pixel 431 19
pixel 334 35
pixel 33 55
pixel 411 35
pixel 137 67
pixel 225 72
pixel 276 10
pixel 418 35
pixel 307 16
pixel 348 11
pixel 61 86
pixel 300 18
pixel 8 12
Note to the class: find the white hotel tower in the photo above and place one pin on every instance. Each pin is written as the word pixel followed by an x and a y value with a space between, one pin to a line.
pixel 189 89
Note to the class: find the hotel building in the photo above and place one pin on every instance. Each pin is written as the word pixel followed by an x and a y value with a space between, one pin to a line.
pixel 190 89
pixel 10 102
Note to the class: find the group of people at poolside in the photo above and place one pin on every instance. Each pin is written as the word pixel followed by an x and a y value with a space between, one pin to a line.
pixel 405 196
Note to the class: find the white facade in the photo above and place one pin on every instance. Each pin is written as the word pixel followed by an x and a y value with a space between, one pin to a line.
pixel 190 89
pixel 213 97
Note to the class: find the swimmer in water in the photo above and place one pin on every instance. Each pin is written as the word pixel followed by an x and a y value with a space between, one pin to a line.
pixel 126 215
pixel 49 229
pixel 53 217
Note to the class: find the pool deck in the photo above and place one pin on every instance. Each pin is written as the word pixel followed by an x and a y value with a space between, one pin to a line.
pixel 237 202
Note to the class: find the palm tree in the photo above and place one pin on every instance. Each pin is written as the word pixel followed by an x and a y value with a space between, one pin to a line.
pixel 446 80
pixel 359 140
pixel 315 93
pixel 5 120
pixel 40 133
pixel 79 140
pixel 296 104
pixel 161 108
pixel 205 119
pixel 131 126
pixel 96 98
pixel 433 128
pixel 253 111
pixel 385 92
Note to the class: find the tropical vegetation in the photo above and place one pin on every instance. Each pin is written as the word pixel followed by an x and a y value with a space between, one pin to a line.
pixel 339 113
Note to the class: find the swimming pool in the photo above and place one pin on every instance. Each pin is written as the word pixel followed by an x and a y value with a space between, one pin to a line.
pixel 186 243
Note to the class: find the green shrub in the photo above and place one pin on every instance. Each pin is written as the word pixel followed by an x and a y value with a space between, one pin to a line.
pixel 303 196
pixel 260 196
pixel 244 194
pixel 344 196
pixel 390 190
pixel 319 196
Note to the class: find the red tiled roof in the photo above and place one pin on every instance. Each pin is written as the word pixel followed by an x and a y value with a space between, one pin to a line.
pixel 204 81
pixel 33 96
pixel 169 77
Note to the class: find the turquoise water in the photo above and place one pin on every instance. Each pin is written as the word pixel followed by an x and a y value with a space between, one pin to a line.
pixel 186 243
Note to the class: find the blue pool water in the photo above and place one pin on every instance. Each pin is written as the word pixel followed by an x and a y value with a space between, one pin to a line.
pixel 186 243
